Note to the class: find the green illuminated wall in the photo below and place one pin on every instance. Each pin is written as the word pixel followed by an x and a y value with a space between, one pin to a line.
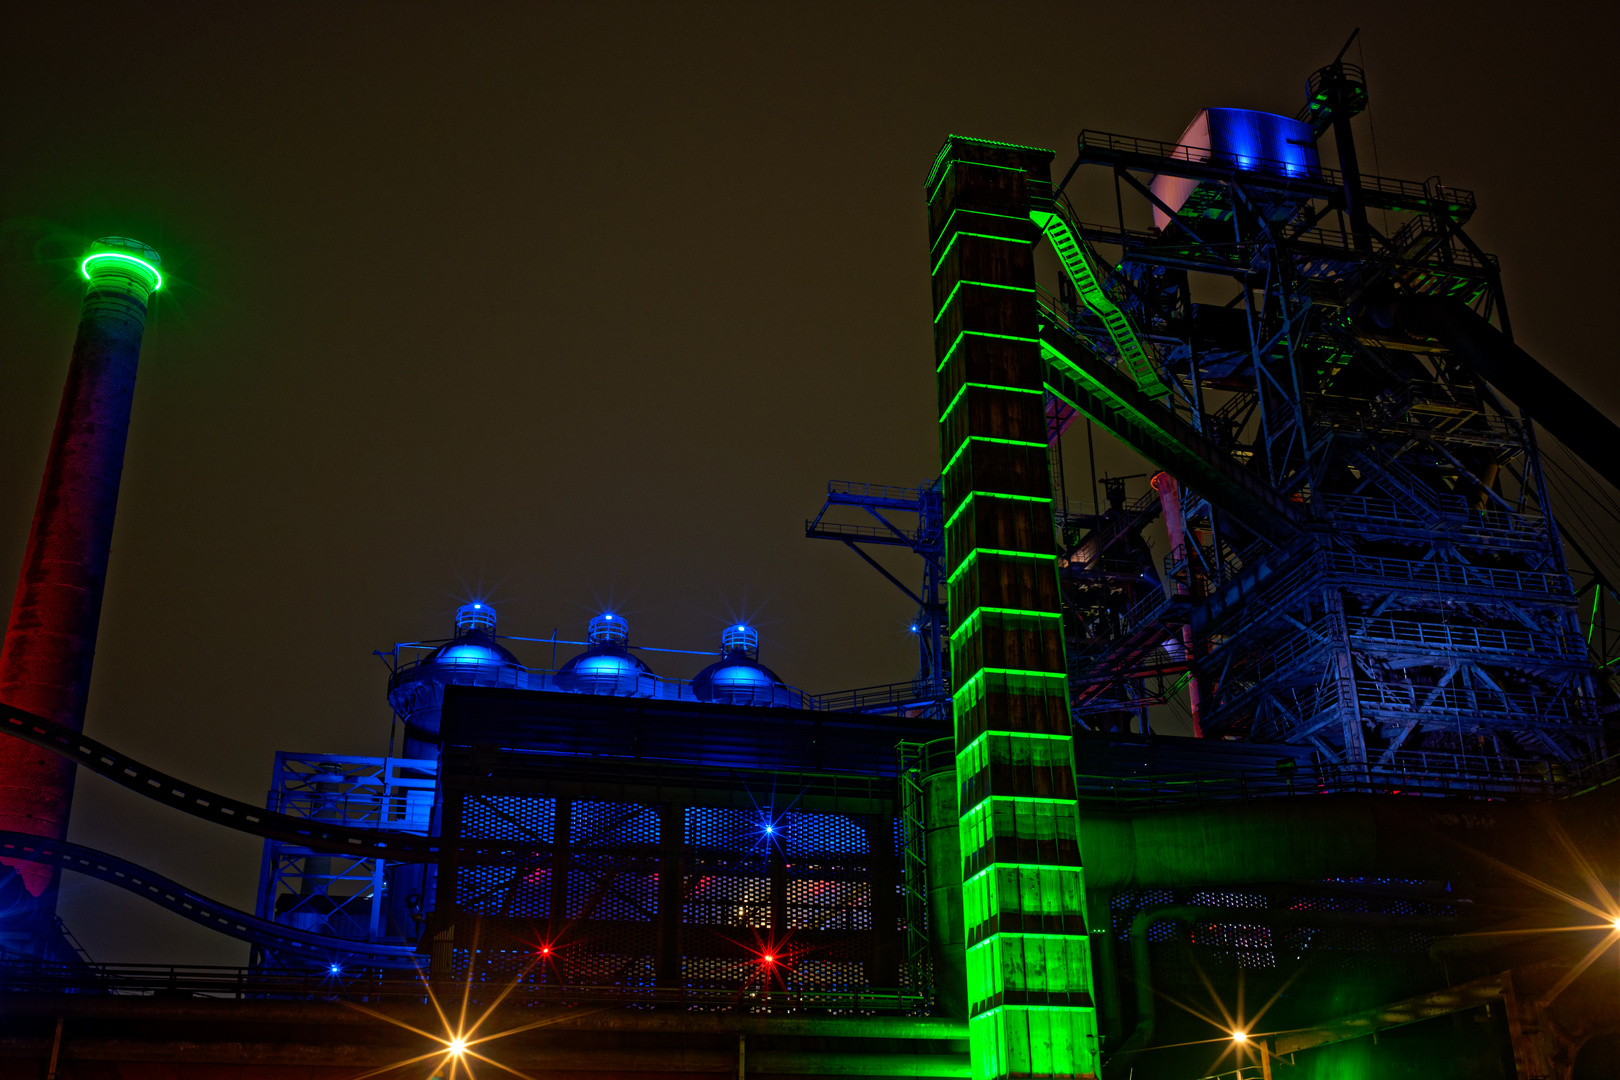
pixel 1029 968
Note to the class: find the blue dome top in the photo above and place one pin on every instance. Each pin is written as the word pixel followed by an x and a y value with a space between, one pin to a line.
pixel 471 651
pixel 602 669
pixel 607 667
pixel 739 679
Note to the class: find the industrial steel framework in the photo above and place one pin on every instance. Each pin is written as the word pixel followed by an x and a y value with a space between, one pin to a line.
pixel 1364 566
pixel 1364 559
pixel 342 895
pixel 705 855
pixel 922 531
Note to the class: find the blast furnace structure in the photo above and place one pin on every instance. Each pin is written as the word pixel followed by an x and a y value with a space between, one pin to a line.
pixel 1384 848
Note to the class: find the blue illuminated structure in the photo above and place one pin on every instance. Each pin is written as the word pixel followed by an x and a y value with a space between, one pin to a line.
pixel 1242 139
pixel 472 658
pixel 346 897
pixel 921 530
pixel 738 678
pixel 607 666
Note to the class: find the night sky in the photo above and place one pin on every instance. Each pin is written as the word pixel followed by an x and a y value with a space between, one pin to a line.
pixel 572 306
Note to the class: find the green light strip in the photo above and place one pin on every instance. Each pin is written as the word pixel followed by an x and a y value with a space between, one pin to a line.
pixel 974 554
pixel 993 495
pixel 1024 240
pixel 971 439
pixel 1036 1008
pixel 982 285
pixel 983 735
pixel 84 267
pixel 976 612
pixel 993 938
pixel 978 333
pixel 974 809
pixel 945 230
pixel 1058 676
pixel 993 867
pixel 984 386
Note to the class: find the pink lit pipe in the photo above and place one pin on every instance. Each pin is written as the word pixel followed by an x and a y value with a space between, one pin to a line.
pixel 1170 502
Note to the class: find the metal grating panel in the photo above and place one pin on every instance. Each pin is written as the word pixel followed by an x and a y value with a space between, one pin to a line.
pixel 732 893
pixel 612 887
pixel 509 817
pixel 613 823
pixel 822 834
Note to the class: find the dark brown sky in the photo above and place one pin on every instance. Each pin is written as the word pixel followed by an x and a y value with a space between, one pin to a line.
pixel 586 302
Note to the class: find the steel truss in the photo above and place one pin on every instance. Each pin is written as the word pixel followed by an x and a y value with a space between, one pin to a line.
pixel 1400 594
pixel 922 531
pixel 358 897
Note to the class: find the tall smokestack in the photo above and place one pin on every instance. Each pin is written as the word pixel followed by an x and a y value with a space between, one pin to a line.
pixel 51 636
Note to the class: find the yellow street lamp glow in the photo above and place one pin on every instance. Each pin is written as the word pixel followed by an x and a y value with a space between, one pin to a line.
pixel 458 1046
pixel 1240 1036
pixel 84 267
pixel 1615 923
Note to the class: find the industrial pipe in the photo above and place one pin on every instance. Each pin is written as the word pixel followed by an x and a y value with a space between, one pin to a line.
pixel 1170 506
pixel 1142 968
pixel 51 636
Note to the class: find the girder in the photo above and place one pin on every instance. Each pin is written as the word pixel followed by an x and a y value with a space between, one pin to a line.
pixel 1542 395
pixel 1105 395
pixel 1362 537
pixel 176 898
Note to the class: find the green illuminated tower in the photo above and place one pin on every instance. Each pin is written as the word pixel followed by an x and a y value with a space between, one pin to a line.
pixel 1029 967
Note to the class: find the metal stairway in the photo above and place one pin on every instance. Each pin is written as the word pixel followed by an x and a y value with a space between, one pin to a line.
pixel 1073 254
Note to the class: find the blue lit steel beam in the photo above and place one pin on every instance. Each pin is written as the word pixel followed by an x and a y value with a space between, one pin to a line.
pixel 182 901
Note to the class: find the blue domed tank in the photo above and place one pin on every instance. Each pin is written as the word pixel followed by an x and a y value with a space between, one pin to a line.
pixel 738 678
pixel 472 658
pixel 607 667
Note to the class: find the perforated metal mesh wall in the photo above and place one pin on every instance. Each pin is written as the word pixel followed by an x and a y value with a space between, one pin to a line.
pixel 759 899
pixel 509 817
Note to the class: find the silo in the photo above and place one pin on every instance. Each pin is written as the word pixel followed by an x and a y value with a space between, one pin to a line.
pixel 471 658
pixel 607 666
pixel 51 635
pixel 738 678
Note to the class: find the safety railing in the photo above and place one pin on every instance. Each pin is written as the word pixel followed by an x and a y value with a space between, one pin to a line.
pixel 409 811
pixel 1337 242
pixel 860 532
pixel 903 695
pixel 1115 528
pixel 1181 567
pixel 1462 776
pixel 1535 710
pixel 863 490
pixel 353 982
pixel 1452 575
pixel 1270 660
pixel 1416 193
pixel 1449 636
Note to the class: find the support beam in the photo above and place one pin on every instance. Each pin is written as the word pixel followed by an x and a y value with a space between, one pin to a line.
pixel 1397 1014
pixel 1541 394
pixel 1081 379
